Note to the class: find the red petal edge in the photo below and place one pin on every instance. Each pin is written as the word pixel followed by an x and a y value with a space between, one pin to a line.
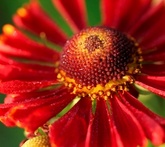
pixel 130 130
pixel 152 128
pixel 74 12
pixel 33 113
pixel 71 129
pixel 103 131
pixel 33 21
pixel 154 84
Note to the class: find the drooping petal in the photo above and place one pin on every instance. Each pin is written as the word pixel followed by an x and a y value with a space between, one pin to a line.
pixel 71 129
pixel 103 131
pixel 17 98
pixel 11 69
pixel 146 21
pixel 156 44
pixel 16 87
pixel 74 12
pixel 153 34
pixel 13 72
pixel 154 84
pixel 117 13
pixel 26 48
pixel 130 131
pixel 152 129
pixel 157 56
pixel 138 105
pixel 108 11
pixel 159 69
pixel 34 19
pixel 33 113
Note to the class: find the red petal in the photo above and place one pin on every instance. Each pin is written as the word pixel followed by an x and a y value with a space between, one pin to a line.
pixel 33 113
pixel 154 84
pixel 138 105
pixel 156 44
pixel 9 72
pixel 103 132
pixel 108 8
pixel 71 129
pixel 152 128
pixel 155 56
pixel 127 125
pixel 74 12
pixel 159 69
pixel 15 98
pixel 153 33
pixel 8 61
pixel 15 86
pixel 33 21
pixel 26 48
pixel 146 21
pixel 13 70
pixel 117 13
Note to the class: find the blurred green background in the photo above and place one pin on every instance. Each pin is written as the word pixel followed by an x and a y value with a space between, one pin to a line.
pixel 11 137
pixel 7 8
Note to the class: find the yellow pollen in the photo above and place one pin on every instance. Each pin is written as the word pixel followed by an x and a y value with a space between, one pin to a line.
pixel 22 12
pixel 108 93
pixel 103 91
pixel 105 97
pixel 94 96
pixel 8 29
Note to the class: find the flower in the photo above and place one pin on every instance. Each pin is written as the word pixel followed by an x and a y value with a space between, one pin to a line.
pixel 38 141
pixel 89 79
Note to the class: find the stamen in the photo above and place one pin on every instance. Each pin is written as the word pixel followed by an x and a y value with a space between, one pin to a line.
pixel 22 12
pixel 8 29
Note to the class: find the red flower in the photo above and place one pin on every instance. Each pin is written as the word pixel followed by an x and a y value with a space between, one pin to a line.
pixel 96 73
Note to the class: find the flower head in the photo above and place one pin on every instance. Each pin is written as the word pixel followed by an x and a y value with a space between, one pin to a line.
pixel 83 86
pixel 98 61
pixel 38 141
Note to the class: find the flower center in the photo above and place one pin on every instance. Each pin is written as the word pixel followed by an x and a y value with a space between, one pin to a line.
pixel 99 61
